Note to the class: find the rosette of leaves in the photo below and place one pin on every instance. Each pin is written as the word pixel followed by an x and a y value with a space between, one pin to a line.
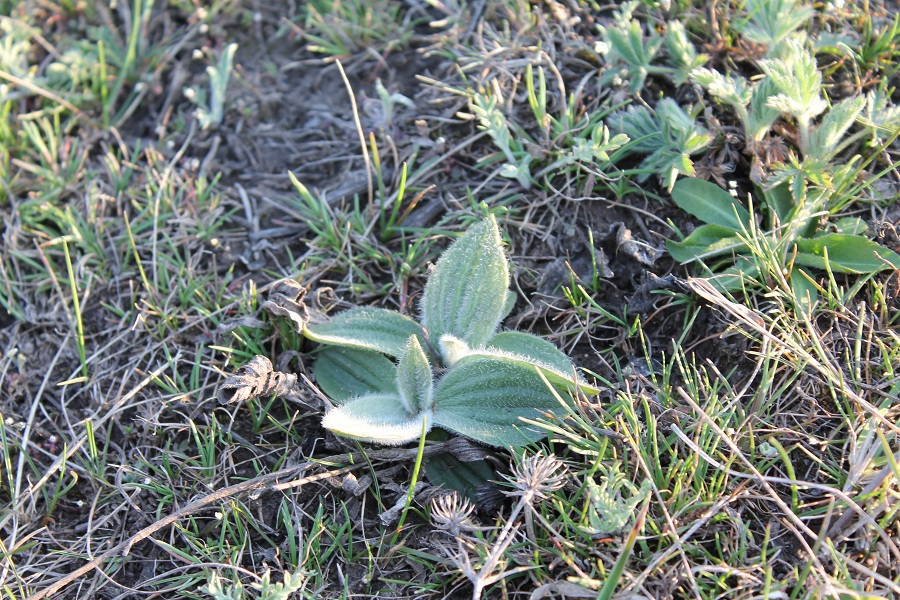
pixel 393 378
pixel 667 135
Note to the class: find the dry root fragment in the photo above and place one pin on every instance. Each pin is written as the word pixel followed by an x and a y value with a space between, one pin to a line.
pixel 257 378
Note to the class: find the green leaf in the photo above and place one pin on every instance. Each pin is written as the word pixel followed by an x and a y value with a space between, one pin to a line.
pixel 451 473
pixel 466 294
pixel 828 133
pixel 378 418
pixel 414 378
pixel 804 290
pixel 733 91
pixel 706 241
pixel 452 349
pixel 344 373
pixel 781 200
pixel 484 398
pixel 761 116
pixel 528 349
pixel 846 254
pixel 744 273
pixel 376 329
pixel 710 203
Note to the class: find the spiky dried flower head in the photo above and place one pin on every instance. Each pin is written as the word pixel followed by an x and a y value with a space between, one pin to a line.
pixel 452 513
pixel 537 477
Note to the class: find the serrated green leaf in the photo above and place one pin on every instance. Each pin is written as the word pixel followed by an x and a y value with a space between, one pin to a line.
pixel 378 418
pixel 370 328
pixel 828 133
pixel 466 294
pixel 710 203
pixel 706 241
pixel 414 378
pixel 344 373
pixel 846 254
pixel 761 115
pixel 733 91
pixel 798 80
pixel 483 398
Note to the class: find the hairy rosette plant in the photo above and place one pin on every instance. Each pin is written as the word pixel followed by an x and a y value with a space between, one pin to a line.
pixel 393 378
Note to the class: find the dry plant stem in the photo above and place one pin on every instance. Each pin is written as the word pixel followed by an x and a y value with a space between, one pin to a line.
pixel 258 483
pixel 162 187
pixel 54 468
pixel 49 96
pixel 679 542
pixel 23 452
pixel 669 520
pixel 836 532
pixel 785 509
pixel 766 480
pixel 362 136
pixel 752 319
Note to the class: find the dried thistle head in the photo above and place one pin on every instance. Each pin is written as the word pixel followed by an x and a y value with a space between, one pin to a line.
pixel 452 513
pixel 537 476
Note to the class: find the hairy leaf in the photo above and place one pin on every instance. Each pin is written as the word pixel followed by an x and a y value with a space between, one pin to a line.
pixel 761 115
pixel 825 137
pixel 528 349
pixel 733 91
pixel 710 203
pixel 344 373
pixel 484 397
pixel 466 294
pixel 414 378
pixel 846 254
pixel 378 418
pixel 376 329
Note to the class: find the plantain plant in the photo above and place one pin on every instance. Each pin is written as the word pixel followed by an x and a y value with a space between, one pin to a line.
pixel 393 378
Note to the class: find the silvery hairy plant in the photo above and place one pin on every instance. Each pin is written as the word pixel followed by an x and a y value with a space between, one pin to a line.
pixel 393 378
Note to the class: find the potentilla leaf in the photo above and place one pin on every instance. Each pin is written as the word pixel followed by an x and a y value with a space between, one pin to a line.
pixel 466 294
pixel 378 418
pixel 370 328
pixel 528 349
pixel 344 373
pixel 485 398
pixel 414 378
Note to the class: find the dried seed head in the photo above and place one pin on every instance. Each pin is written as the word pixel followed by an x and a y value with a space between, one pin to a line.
pixel 452 513
pixel 537 476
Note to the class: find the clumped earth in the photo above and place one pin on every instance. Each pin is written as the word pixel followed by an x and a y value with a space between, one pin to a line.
pixel 745 443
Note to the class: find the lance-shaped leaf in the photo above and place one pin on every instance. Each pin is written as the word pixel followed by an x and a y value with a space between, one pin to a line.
pixel 845 254
pixel 414 378
pixel 706 241
pixel 709 202
pixel 376 329
pixel 344 373
pixel 466 294
pixel 485 398
pixel 378 418
pixel 527 349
